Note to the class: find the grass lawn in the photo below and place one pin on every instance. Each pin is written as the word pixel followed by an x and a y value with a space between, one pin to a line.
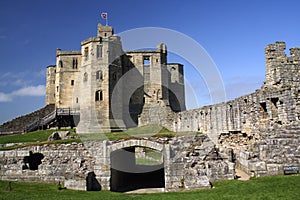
pixel 40 137
pixel 33 138
pixel 276 187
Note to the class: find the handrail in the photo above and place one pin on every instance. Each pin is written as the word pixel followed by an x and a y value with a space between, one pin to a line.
pixel 51 116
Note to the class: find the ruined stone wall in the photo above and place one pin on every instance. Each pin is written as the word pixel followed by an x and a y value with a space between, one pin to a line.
pixel 275 101
pixel 61 162
pixel 247 122
pixel 190 162
pixel 176 87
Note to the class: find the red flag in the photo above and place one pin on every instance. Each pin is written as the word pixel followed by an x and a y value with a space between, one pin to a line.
pixel 104 15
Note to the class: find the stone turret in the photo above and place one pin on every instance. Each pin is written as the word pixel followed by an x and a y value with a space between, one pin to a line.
pixel 50 84
pixel 281 70
pixel 105 31
pixel 275 60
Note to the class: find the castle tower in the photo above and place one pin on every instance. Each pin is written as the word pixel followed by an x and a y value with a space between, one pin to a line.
pixel 176 87
pixel 275 62
pixel 66 73
pixel 99 72
pixel 50 84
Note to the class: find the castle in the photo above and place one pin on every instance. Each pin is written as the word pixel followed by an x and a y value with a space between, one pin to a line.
pixel 112 88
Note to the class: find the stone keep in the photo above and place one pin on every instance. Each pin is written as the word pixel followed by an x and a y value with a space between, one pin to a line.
pixel 115 89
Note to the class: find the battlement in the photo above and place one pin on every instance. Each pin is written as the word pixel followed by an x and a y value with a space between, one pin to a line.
pixel 280 68
pixel 276 52
pixel 105 31
pixel 59 52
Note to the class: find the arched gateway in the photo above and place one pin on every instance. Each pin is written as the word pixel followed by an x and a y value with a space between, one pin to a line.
pixel 123 168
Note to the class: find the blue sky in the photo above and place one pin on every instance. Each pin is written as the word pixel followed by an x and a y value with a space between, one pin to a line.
pixel 233 32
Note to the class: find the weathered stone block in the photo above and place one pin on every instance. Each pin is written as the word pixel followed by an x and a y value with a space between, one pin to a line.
pixel 257 166
pixel 75 184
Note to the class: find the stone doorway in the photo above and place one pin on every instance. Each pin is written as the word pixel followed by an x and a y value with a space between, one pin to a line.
pixel 135 168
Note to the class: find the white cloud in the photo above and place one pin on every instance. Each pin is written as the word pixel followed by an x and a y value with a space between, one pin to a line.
pixel 39 90
pixel 5 97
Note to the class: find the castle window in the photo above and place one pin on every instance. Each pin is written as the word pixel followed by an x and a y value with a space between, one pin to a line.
pixel 72 82
pixel 61 64
pixel 146 61
pixel 99 75
pixel 86 53
pixel 114 76
pixel 99 95
pixel 57 88
pixel 85 77
pixel 263 109
pixel 75 63
pixel 76 99
pixel 174 78
pixel 99 51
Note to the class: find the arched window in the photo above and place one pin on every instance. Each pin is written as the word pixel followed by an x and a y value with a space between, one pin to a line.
pixel 85 77
pixel 61 64
pixel 86 53
pixel 99 75
pixel 174 78
pixel 99 95
pixel 114 76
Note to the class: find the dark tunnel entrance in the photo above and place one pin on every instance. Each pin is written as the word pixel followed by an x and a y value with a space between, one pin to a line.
pixel 136 168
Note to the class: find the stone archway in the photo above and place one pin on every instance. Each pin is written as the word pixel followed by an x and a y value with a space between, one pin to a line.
pixel 127 174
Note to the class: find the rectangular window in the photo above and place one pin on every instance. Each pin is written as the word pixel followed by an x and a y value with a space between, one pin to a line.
pixel 72 82
pixel 99 75
pixel 86 53
pixel 99 51
pixel 75 63
pixel 146 61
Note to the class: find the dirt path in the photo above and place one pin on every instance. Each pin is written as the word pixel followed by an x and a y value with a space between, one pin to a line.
pixel 242 175
pixel 146 191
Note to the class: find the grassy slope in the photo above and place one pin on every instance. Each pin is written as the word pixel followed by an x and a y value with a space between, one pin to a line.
pixel 41 137
pixel 277 187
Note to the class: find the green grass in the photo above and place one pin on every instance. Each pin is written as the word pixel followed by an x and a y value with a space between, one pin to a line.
pixel 148 130
pixel 145 161
pixel 276 187
pixel 33 138
pixel 27 137
pixel 41 137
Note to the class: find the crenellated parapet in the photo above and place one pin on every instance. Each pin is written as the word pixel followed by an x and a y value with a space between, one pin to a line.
pixel 281 69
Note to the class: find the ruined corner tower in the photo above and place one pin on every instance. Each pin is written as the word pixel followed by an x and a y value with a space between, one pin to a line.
pixel 281 69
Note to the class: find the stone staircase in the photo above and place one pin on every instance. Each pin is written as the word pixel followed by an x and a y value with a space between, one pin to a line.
pixel 18 124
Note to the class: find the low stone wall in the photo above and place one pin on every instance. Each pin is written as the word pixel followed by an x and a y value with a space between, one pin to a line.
pixel 190 162
pixel 60 162
pixel 269 157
